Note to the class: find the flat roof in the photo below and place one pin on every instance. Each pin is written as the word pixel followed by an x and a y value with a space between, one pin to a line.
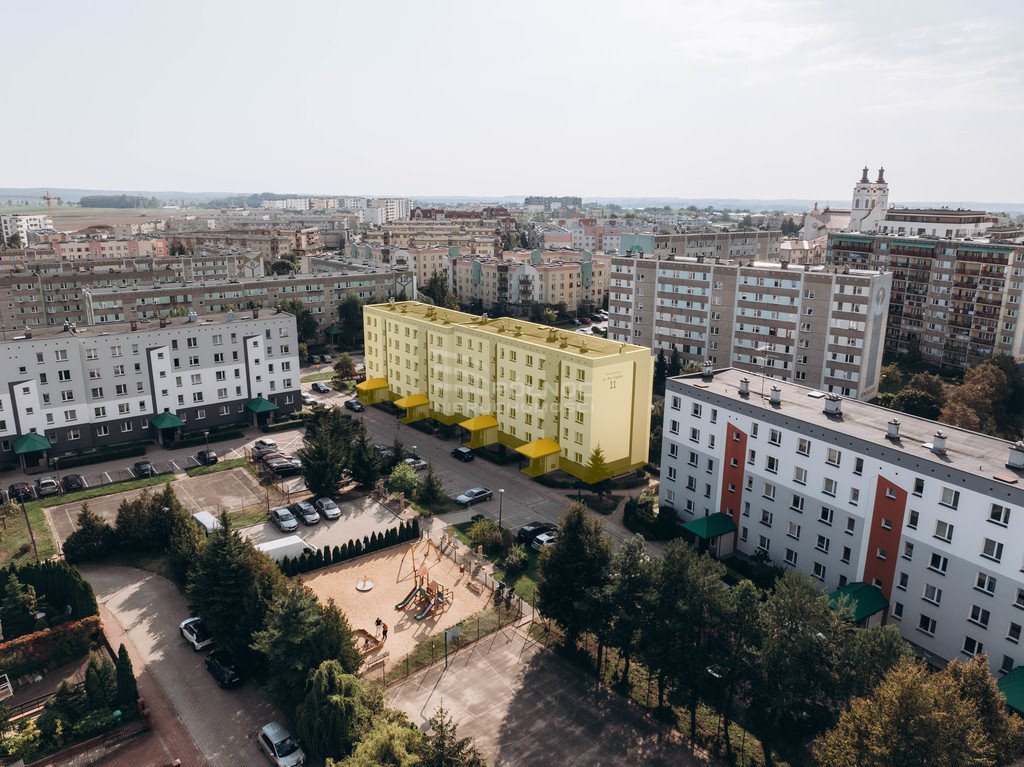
pixel 528 332
pixel 50 332
pixel 968 451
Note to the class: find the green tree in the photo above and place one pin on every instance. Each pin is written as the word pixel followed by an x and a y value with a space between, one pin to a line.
pixel 914 718
pixel 628 593
pixel 929 384
pixel 335 712
pixel 977 687
pixel 185 544
pixel 597 469
pixel 867 656
pixel 403 479
pixel 979 402
pixel 660 372
pixel 388 743
pixel 281 266
pixel 443 747
pixel 579 559
pixel 350 318
pixel 101 683
pixel 736 640
pixel 127 689
pixel 305 322
pixel 323 464
pixel 18 609
pixel 300 634
pixel 430 491
pixel 917 402
pixel 675 363
pixel 344 367
pixel 363 463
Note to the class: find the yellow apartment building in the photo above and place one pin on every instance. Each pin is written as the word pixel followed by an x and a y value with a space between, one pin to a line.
pixel 552 395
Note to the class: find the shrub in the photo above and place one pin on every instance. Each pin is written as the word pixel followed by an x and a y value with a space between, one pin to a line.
pixel 640 513
pixel 92 541
pixel 94 723
pixel 294 423
pixel 106 454
pixel 53 646
pixel 516 560
pixel 198 440
pixel 485 533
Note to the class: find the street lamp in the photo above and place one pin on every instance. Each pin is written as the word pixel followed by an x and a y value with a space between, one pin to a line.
pixel 206 436
pixel 414 455
pixel 501 495
pixel 28 524
pixel 56 468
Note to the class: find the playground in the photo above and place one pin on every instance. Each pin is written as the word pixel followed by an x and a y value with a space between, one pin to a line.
pixel 433 595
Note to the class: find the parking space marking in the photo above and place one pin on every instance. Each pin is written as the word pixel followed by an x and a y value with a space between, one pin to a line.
pixel 177 468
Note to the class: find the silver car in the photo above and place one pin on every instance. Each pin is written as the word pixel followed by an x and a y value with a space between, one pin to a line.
pixel 474 495
pixel 280 746
pixel 328 508
pixel 284 520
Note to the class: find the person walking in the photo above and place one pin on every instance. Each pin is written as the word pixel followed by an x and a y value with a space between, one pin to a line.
pixel 377 623
pixel 384 631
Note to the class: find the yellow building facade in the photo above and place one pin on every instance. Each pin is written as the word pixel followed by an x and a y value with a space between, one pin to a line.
pixel 552 395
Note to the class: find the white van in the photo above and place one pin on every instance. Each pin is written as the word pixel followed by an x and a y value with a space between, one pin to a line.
pixel 207 521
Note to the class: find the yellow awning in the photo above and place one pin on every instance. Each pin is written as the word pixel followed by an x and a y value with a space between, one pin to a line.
pixel 479 423
pixel 539 448
pixel 413 400
pixel 372 384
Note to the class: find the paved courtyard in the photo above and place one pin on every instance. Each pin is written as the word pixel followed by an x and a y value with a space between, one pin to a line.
pixel 523 705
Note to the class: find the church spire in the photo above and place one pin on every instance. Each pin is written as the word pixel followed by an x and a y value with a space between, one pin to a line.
pixel 881 176
pixel 864 178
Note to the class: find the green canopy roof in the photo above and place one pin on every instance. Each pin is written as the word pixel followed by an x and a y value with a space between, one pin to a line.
pixel 167 420
pixel 865 599
pixel 1012 686
pixel 31 443
pixel 333 330
pixel 711 526
pixel 260 405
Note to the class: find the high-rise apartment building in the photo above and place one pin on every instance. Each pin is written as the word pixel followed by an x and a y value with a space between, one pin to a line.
pixel 395 208
pixel 817 326
pixel 924 519
pixel 739 245
pixel 21 225
pixel 553 396
pixel 954 302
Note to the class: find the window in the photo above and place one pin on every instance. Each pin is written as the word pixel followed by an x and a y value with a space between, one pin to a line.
pixel 826 515
pixel 913 520
pixel 774 437
pixel 769 491
pixel 832 456
pixel 854 496
pixel 63 375
pixel 772 464
pixel 695 410
pixel 743 534
pixel 938 563
pixel 694 435
pixel 999 515
pixel 803 446
pixel 851 525
pixel 992 550
pixel 1007 664
pixel 751 456
pixel 985 583
pixel 904 579
pixel 793 531
pixel 858 466
pixel 823 544
pixel 881 553
pixel 102 430
pixel 972 646
pixel 798 503
pixel 847 553
pixel 828 487
pixel 672 473
pixel 897 610
pixel 763 543
pixel 908 550
pixel 1013 633
pixel 766 517
pixel 61 355
pixel 932 594
pixel 918 487
pixel 193 361
pixel 800 475
pixel 819 571
pixel 791 557
pixel 944 531
pixel 926 625
pixel 950 497
pixel 1019 601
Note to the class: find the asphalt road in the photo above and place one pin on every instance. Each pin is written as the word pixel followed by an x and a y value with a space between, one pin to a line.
pixel 223 723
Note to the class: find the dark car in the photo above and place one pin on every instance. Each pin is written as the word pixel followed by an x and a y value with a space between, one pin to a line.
pixel 20 491
pixel 354 405
pixel 463 454
pixel 259 452
pixel 144 469
pixel 528 532
pixel 207 457
pixel 223 668
pixel 321 388
pixel 306 511
pixel 73 482
pixel 474 495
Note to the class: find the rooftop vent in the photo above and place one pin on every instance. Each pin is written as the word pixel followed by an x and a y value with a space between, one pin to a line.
pixel 892 430
pixel 744 387
pixel 1016 459
pixel 833 405
pixel 706 369
pixel 775 397
pixel 938 445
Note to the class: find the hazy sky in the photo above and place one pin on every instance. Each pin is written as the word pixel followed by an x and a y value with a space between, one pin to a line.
pixel 639 98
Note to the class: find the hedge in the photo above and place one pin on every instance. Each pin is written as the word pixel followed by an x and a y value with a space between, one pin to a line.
pixel 58 584
pixel 53 646
pixel 294 423
pixel 314 560
pixel 98 456
pixel 215 436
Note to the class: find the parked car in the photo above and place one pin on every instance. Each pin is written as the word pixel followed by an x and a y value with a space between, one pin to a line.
pixel 320 387
pixel 285 467
pixel 223 668
pixel 528 532
pixel 586 321
pixel 259 452
pixel 260 444
pixel 354 405
pixel 326 359
pixel 284 520
pixel 21 491
pixel 46 486
pixel 464 454
pixel 207 457
pixel 386 452
pixel 280 746
pixel 195 633
pixel 418 464
pixel 474 495
pixel 306 511
pixel 307 399
pixel 73 482
pixel 544 540
pixel 328 508
pixel 144 469
pixel 315 359
pixel 597 318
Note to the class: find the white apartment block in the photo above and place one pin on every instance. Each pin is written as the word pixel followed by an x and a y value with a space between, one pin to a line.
pixel 91 387
pixel 821 327
pixel 740 245
pixel 929 515
pixel 22 224
pixel 395 208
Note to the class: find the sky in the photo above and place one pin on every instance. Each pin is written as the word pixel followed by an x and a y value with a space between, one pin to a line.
pixel 783 99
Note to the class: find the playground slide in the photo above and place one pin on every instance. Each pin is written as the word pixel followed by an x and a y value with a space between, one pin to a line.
pixel 433 603
pixel 408 598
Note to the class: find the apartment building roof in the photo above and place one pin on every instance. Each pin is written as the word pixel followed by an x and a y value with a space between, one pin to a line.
pixel 50 332
pixel 541 336
pixel 964 450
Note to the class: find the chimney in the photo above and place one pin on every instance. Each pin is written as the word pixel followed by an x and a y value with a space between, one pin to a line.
pixel 775 397
pixel 939 443
pixel 1016 459
pixel 833 404
pixel 706 370
pixel 134 325
pixel 893 430
pixel 744 387
pixel 163 322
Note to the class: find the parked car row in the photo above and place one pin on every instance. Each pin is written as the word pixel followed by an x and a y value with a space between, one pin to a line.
pixel 266 452
pixel 46 486
pixel 286 519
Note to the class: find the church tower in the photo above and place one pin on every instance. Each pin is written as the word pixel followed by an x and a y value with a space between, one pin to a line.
pixel 870 201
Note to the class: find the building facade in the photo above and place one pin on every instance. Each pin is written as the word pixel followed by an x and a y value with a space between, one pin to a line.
pixel 85 388
pixel 955 224
pixel 818 326
pixel 930 515
pixel 22 225
pixel 394 208
pixel 551 395
pixel 953 302
pixel 745 245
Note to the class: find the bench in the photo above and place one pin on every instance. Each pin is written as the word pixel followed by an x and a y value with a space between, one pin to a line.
pixel 377 660
pixel 474 586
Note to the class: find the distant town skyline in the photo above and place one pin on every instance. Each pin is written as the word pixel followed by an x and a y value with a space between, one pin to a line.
pixel 768 100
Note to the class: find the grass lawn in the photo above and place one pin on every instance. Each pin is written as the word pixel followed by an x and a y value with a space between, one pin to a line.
pixel 95 492
pixel 525 582
pixel 15 545
pixel 253 515
pixel 323 375
pixel 445 506
pixel 231 463
pixel 606 506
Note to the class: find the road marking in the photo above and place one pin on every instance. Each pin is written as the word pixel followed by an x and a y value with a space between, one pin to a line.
pixel 107 475
pixel 176 467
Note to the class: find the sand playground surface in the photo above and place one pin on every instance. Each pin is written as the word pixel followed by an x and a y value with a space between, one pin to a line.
pixel 393 573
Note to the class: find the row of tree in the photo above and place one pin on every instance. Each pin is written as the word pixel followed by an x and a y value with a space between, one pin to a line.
pixel 785 657
pixel 315 559
pixel 119 201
